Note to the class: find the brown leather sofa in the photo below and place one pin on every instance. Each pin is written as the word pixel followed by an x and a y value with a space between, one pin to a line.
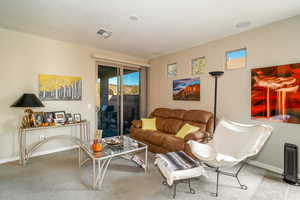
pixel 168 123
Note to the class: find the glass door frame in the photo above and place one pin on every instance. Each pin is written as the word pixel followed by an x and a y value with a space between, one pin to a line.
pixel 137 69
pixel 120 91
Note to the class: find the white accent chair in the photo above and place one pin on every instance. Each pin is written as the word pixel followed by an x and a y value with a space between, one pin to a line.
pixel 233 143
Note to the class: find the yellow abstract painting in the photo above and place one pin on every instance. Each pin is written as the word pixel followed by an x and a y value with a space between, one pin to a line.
pixel 54 87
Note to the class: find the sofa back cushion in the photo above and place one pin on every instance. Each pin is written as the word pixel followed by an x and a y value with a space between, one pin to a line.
pixel 198 118
pixel 171 120
pixel 168 125
pixel 168 113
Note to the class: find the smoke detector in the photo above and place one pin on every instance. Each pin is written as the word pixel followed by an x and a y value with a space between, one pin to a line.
pixel 105 34
pixel 133 17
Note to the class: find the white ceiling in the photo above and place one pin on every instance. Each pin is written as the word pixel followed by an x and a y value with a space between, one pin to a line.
pixel 163 26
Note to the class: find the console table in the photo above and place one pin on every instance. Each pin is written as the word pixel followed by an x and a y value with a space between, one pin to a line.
pixel 25 151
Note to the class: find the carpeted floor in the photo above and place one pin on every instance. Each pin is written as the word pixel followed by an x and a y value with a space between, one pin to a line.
pixel 57 176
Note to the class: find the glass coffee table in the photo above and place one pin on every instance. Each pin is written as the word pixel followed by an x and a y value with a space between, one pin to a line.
pixel 128 148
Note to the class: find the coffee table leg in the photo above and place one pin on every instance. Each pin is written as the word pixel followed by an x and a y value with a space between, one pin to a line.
pixel 94 174
pixel 103 170
pixel 99 174
pixel 79 157
pixel 146 159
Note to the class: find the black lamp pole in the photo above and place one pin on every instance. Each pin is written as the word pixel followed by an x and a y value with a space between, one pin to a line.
pixel 216 75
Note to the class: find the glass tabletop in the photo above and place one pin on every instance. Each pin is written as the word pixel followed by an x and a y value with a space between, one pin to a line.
pixel 127 145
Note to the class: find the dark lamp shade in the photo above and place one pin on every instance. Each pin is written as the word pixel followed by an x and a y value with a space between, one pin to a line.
pixel 216 73
pixel 28 101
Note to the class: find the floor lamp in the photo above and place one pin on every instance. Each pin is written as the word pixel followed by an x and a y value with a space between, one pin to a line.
pixel 216 75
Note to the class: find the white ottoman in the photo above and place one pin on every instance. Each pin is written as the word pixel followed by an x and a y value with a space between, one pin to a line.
pixel 173 177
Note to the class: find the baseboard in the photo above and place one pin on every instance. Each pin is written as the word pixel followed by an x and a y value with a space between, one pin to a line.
pixel 265 166
pixel 268 167
pixel 6 160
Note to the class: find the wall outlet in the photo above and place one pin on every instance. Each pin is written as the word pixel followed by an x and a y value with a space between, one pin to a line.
pixel 42 137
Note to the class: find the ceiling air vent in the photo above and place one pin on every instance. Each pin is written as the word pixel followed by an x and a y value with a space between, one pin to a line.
pixel 105 34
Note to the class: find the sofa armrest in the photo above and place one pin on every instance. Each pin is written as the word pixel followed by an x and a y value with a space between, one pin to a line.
pixel 210 126
pixel 137 123
pixel 199 136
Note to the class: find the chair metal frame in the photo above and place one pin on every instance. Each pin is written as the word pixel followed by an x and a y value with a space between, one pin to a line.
pixel 232 174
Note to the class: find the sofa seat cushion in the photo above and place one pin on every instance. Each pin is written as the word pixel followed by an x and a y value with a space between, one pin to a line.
pixel 156 137
pixel 153 137
pixel 173 143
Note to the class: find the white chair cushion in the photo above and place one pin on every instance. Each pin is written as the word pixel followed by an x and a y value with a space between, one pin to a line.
pixel 204 152
pixel 232 143
pixel 226 158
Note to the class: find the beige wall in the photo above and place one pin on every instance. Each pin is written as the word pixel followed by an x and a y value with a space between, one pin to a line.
pixel 275 44
pixel 22 58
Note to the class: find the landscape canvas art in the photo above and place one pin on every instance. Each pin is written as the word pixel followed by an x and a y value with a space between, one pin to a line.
pixel 186 89
pixel 275 93
pixel 198 65
pixel 236 59
pixel 172 70
pixel 65 88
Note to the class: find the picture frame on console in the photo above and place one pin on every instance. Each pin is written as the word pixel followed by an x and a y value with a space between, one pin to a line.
pixel 77 117
pixel 49 117
pixel 60 117
pixel 69 118
pixel 38 118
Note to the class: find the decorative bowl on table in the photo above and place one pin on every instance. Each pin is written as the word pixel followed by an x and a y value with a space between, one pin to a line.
pixel 97 146
pixel 115 141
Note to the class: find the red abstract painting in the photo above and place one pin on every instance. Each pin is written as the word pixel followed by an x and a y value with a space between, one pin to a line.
pixel 275 93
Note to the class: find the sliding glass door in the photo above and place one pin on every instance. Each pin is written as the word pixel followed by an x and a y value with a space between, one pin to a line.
pixel 118 99
pixel 108 100
pixel 131 97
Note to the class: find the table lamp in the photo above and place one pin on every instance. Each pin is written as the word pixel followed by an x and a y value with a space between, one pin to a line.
pixel 28 101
